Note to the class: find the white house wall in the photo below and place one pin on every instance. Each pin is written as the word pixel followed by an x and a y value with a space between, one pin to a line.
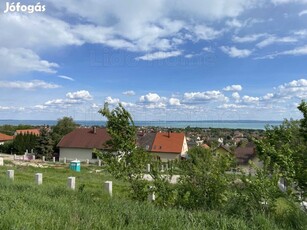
pixel 76 153
pixel 164 157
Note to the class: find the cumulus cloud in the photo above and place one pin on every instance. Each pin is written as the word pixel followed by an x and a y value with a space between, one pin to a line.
pixel 236 53
pixel 80 95
pixel 302 13
pixel 249 99
pixel 129 93
pixel 204 96
pixel 236 96
pixel 28 85
pixel 159 55
pixel 150 98
pixel 233 88
pixel 112 101
pixel 18 60
pixel 174 101
pixel 298 51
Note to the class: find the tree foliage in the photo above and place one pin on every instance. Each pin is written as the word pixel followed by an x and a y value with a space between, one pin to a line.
pixel 23 142
pixel 286 147
pixel 64 126
pixel 44 145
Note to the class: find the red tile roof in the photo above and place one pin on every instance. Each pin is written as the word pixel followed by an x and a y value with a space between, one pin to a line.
pixel 28 131
pixel 85 138
pixel 4 137
pixel 168 142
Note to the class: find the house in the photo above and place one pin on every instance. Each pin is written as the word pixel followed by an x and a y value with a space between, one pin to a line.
pixel 169 146
pixel 4 138
pixel 222 149
pixel 28 131
pixel 79 143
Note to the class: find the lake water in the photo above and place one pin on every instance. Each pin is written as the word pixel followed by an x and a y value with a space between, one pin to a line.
pixel 236 124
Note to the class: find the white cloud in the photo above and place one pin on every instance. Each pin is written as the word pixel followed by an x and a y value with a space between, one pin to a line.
pixel 249 99
pixel 150 98
pixel 208 49
pixel 236 53
pixel 18 60
pixel 302 13
pixel 174 101
pixel 277 2
pixel 203 32
pixel 159 55
pixel 79 95
pixel 234 23
pixel 268 96
pixel 112 101
pixel 204 96
pixel 66 77
pixel 273 40
pixel 233 88
pixel 231 106
pixel 129 93
pixel 236 96
pixel 34 84
pixel 248 38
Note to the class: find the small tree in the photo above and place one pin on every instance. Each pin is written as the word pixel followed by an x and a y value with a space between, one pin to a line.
pixel 123 159
pixel 64 126
pixel 44 145
pixel 203 182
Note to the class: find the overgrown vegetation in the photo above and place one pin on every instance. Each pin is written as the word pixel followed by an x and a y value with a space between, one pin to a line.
pixel 204 183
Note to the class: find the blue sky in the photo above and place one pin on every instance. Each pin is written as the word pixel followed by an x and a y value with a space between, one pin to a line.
pixel 163 59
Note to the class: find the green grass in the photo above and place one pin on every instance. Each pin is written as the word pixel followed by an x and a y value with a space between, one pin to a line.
pixel 25 205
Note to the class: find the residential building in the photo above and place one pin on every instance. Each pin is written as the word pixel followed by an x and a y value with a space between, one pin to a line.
pixel 79 143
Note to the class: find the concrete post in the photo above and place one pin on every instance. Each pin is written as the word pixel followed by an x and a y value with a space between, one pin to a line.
pixel 15 157
pixel 53 159
pixel 148 168
pixel 99 163
pixel 87 161
pixel 38 178
pixel 1 161
pixel 166 167
pixel 33 157
pixel 108 187
pixel 64 160
pixel 151 196
pixel 44 158
pixel 10 174
pixel 71 183
pixel 162 168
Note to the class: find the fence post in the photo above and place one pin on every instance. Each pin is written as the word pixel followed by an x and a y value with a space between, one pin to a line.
pixel 1 161
pixel 71 183
pixel 53 159
pixel 99 163
pixel 148 168
pixel 64 160
pixel 39 178
pixel 10 174
pixel 108 187
pixel 87 161
pixel 44 158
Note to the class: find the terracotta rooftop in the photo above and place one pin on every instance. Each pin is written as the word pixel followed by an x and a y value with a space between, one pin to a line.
pixel 168 142
pixel 85 138
pixel 28 131
pixel 4 137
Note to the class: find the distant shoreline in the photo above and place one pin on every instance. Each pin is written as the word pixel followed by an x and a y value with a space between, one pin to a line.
pixel 230 124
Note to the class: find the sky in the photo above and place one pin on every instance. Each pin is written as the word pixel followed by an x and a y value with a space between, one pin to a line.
pixel 162 59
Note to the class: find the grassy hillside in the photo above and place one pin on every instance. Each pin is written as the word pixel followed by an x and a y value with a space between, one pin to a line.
pixel 24 205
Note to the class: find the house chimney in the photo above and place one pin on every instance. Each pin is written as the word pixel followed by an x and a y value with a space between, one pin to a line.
pixel 94 129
